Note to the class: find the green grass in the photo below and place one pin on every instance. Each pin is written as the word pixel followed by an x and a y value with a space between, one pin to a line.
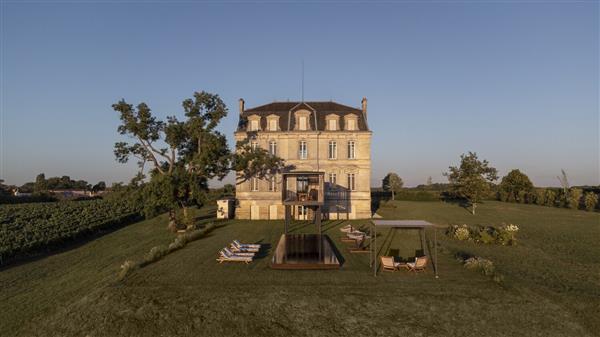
pixel 551 283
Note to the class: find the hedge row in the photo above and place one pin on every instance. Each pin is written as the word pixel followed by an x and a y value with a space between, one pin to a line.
pixel 574 198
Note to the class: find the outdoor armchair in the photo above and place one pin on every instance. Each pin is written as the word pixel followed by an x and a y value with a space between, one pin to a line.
pixel 419 265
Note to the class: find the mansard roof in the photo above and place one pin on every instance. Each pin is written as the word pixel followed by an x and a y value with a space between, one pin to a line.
pixel 285 112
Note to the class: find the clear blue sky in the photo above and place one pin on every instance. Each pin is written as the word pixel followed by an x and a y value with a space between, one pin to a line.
pixel 516 82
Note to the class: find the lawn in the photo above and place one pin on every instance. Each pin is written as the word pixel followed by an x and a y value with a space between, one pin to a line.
pixel 551 283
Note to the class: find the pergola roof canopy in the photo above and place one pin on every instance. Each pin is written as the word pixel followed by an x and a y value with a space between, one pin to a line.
pixel 402 223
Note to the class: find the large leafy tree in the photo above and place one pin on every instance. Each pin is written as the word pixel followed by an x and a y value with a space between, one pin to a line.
pixel 183 155
pixel 392 182
pixel 514 184
pixel 471 180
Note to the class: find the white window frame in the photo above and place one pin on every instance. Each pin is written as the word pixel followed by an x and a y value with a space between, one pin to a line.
pixel 351 182
pixel 351 149
pixel 254 125
pixel 332 124
pixel 332 178
pixel 302 150
pixel 273 124
pixel 300 120
pixel 332 150
pixel 273 148
pixel 254 184
pixel 254 145
pixel 272 184
pixel 351 127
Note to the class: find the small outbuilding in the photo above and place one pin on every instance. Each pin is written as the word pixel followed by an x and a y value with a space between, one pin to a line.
pixel 225 208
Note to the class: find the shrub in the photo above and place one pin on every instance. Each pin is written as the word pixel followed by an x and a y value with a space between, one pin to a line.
pixel 486 236
pixel 158 252
pixel 530 198
pixel 502 195
pixel 126 268
pixel 574 198
pixel 507 235
pixel 155 254
pixel 590 200
pixel 540 197
pixel 412 195
pixel 458 232
pixel 179 242
pixel 550 197
pixel 485 266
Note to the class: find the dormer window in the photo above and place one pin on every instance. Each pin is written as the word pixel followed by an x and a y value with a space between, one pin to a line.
pixel 302 120
pixel 273 123
pixel 254 123
pixel 332 122
pixel 332 125
pixel 351 122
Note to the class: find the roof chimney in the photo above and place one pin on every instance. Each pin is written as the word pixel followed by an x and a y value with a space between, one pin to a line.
pixel 241 105
pixel 364 106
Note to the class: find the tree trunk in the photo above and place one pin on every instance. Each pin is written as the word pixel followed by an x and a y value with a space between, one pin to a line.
pixel 393 195
pixel 474 205
pixel 186 218
pixel 172 221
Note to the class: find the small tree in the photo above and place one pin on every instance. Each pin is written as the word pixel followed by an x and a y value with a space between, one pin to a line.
pixel 392 182
pixel 516 184
pixel 40 184
pixel 574 198
pixel 590 200
pixel 472 178
pixel 540 196
pixel 429 182
pixel 100 186
pixel 550 197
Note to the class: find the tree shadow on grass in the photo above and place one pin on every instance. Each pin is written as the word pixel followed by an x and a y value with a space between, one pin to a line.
pixel 332 224
pixel 461 203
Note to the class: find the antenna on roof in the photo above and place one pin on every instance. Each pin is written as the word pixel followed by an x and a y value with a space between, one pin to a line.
pixel 303 80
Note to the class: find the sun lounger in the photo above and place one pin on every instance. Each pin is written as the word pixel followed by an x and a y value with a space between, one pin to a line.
pixel 347 229
pixel 227 252
pixel 357 235
pixel 419 265
pixel 236 248
pixel 246 245
pixel 227 257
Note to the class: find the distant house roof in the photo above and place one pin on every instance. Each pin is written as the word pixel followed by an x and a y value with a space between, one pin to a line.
pixel 285 112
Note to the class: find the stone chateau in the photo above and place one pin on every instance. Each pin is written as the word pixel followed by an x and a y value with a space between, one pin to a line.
pixel 329 146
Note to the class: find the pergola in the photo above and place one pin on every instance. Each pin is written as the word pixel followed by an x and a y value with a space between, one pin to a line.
pixel 403 224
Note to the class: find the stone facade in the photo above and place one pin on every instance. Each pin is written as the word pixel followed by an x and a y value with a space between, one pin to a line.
pixel 312 136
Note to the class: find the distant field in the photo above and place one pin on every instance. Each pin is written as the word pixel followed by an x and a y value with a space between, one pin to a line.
pixel 28 228
pixel 551 285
